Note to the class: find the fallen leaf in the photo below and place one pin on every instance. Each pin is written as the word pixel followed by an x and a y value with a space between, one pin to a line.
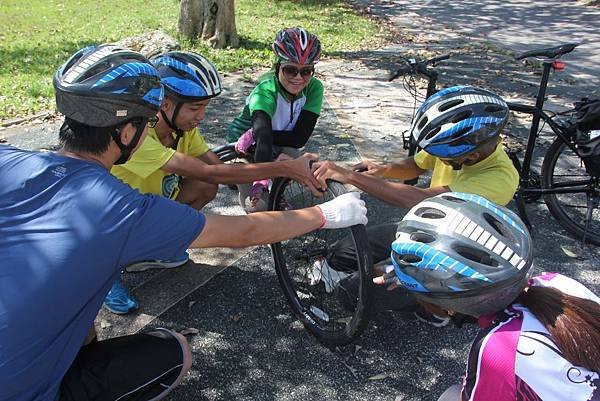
pixel 105 325
pixel 190 304
pixel 351 369
pixel 380 376
pixel 236 317
pixel 569 253
pixel 189 330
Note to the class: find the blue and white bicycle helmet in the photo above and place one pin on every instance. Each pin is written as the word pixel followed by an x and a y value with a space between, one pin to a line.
pixel 463 253
pixel 188 77
pixel 457 120
pixel 107 85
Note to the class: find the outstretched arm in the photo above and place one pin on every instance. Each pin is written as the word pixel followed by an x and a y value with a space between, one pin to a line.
pixel 269 227
pixel 405 169
pixel 297 169
pixel 396 194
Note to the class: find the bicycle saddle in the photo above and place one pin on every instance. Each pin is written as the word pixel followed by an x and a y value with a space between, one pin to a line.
pixel 549 52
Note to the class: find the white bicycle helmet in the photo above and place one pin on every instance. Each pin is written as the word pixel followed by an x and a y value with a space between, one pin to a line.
pixel 463 253
pixel 457 120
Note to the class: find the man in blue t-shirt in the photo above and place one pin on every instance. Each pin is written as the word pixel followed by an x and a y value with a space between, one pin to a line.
pixel 67 225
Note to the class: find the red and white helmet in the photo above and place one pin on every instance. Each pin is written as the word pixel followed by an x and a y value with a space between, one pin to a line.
pixel 297 45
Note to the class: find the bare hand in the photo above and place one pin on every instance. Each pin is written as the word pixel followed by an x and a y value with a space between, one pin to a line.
pixel 387 277
pixel 300 170
pixel 370 168
pixel 326 170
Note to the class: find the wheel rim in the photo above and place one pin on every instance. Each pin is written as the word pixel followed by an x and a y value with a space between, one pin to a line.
pixel 312 291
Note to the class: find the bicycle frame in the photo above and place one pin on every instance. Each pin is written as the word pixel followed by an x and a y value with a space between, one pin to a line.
pixel 561 131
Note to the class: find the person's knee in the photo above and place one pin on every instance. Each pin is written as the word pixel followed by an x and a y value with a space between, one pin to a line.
pixel 207 192
pixel 187 354
pixel 196 193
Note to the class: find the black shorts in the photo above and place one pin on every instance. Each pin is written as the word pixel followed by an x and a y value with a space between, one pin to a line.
pixel 138 367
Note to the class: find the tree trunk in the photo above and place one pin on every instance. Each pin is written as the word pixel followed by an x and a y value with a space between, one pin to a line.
pixel 211 20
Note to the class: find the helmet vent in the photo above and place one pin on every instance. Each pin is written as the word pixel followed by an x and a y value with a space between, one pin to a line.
pixel 430 213
pixel 459 133
pixel 453 199
pixel 493 108
pixel 496 225
pixel 422 123
pixel 450 104
pixel 463 115
pixel 476 255
pixel 408 259
pixel 420 236
pixel 433 133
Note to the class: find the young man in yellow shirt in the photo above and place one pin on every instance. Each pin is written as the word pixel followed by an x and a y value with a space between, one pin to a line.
pixel 458 131
pixel 174 160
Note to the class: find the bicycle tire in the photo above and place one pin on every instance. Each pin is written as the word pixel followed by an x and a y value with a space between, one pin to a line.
pixel 320 311
pixel 570 209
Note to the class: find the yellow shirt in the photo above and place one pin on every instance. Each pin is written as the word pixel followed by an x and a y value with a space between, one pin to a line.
pixel 143 170
pixel 494 177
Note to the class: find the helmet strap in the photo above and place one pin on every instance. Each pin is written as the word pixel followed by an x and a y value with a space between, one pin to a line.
pixel 171 123
pixel 455 166
pixel 126 150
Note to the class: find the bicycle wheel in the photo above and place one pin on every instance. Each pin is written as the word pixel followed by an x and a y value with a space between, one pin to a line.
pixel 312 292
pixel 563 168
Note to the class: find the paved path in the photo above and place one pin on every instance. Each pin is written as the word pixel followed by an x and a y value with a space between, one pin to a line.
pixel 512 24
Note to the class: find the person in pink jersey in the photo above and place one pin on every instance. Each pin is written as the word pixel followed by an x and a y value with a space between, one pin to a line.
pixel 470 259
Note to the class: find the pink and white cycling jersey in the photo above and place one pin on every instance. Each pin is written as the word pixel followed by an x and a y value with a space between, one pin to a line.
pixel 514 357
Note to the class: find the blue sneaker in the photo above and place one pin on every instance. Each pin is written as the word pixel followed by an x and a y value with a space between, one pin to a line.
pixel 118 300
pixel 144 265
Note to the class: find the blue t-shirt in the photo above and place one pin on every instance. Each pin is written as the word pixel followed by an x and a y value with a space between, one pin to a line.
pixel 66 227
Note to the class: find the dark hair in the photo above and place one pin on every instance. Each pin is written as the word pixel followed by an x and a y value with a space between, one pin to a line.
pixel 573 323
pixel 77 137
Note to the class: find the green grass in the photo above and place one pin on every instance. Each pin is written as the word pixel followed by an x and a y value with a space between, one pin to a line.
pixel 36 36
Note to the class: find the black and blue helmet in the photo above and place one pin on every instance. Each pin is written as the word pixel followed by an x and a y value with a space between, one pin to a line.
pixel 107 85
pixel 188 77
pixel 463 253
pixel 457 120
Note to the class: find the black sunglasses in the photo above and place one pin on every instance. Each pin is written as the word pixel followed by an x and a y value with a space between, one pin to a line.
pixel 290 71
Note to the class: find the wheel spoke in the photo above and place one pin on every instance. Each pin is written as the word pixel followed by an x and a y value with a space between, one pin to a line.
pixel 564 169
pixel 310 286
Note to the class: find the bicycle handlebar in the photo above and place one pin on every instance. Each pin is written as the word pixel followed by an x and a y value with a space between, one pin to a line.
pixel 415 66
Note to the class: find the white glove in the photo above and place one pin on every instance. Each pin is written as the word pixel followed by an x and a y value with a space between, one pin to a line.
pixel 344 211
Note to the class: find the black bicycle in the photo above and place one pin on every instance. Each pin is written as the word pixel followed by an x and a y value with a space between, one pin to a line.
pixel 310 287
pixel 569 180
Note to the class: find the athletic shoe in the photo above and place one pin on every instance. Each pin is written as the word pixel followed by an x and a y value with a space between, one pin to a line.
pixel 118 300
pixel 427 317
pixel 157 264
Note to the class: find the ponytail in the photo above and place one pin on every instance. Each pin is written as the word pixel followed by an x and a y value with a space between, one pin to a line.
pixel 573 323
